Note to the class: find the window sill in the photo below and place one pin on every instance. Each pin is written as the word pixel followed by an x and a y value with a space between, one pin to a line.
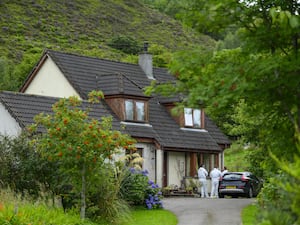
pixel 137 124
pixel 194 129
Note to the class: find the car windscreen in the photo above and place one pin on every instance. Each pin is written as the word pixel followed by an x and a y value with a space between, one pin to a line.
pixel 232 176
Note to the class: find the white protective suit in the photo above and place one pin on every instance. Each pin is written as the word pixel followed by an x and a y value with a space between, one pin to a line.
pixel 202 174
pixel 215 175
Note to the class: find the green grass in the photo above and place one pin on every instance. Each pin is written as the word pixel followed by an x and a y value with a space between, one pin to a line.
pixel 235 158
pixel 249 214
pixel 152 217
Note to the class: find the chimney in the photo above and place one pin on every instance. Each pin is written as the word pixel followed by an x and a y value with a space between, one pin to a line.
pixel 145 62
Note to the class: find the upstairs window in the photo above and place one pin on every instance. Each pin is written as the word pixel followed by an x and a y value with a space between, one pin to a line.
pixel 135 110
pixel 192 117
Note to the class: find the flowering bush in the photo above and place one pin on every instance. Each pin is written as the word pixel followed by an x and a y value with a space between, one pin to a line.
pixel 137 189
pixel 154 195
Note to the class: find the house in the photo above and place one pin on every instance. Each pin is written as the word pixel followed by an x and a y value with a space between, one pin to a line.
pixel 172 146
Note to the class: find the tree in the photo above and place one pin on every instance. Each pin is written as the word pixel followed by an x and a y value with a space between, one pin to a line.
pixel 255 87
pixel 263 71
pixel 23 169
pixel 80 144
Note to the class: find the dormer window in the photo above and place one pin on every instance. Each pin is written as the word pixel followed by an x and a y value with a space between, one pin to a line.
pixel 135 110
pixel 192 117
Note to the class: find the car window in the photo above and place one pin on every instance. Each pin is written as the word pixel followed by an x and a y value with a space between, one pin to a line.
pixel 232 176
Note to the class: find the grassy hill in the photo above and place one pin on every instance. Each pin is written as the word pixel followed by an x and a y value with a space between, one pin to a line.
pixel 86 27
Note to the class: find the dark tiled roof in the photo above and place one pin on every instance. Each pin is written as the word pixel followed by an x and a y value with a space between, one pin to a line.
pixel 88 73
pixel 84 72
pixel 24 107
pixel 114 84
pixel 172 136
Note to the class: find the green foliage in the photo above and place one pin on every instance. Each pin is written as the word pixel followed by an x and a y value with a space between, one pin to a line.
pixel 138 190
pixel 79 144
pixel 256 86
pixel 17 211
pixel 152 217
pixel 104 201
pixel 5 74
pixel 235 158
pixel 23 169
pixel 125 44
pixel 29 27
pixel 14 211
pixel 133 187
pixel 249 214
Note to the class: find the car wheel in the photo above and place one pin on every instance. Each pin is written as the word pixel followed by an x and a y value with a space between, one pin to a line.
pixel 221 195
pixel 250 193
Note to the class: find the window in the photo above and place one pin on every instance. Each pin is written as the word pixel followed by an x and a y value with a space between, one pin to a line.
pixel 192 117
pixel 135 110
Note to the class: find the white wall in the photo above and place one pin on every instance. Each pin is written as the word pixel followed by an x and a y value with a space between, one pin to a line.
pixel 149 159
pixel 8 125
pixel 159 167
pixel 50 81
pixel 176 168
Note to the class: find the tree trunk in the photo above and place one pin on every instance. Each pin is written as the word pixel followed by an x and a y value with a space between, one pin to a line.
pixel 83 191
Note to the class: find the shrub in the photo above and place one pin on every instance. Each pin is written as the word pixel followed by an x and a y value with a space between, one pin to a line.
pixel 125 44
pixel 104 202
pixel 133 186
pixel 22 168
pixel 154 195
pixel 137 189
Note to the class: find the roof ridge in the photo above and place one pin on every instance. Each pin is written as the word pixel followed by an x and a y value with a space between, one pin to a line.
pixel 91 57
pixel 96 58
pixel 37 96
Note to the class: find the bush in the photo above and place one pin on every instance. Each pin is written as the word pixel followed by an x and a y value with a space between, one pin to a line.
pixel 137 189
pixel 125 44
pixel 153 196
pixel 22 211
pixel 104 201
pixel 22 168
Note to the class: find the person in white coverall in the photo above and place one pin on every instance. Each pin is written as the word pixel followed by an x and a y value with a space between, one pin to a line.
pixel 202 174
pixel 215 176
pixel 224 171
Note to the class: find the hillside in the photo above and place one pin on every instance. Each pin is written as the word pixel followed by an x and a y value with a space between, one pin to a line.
pixel 29 26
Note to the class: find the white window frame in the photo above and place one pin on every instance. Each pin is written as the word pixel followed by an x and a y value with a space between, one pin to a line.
pixel 192 117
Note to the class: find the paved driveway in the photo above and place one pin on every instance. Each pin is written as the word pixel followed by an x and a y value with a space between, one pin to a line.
pixel 197 211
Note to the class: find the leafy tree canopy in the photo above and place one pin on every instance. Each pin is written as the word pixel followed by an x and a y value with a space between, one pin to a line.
pixel 80 144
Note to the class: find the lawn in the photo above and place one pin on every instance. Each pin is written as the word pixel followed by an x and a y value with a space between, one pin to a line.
pixel 152 217
pixel 249 214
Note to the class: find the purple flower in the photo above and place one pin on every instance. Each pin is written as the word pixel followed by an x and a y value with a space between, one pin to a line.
pixel 145 172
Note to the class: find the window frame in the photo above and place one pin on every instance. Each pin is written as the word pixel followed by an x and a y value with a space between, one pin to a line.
pixel 190 118
pixel 135 111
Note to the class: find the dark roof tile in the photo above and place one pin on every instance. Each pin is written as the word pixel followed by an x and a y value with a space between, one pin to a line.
pixel 113 78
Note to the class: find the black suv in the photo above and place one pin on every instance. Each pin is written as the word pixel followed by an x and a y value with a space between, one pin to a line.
pixel 239 184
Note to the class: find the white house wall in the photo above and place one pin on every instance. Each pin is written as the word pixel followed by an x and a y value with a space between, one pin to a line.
pixel 149 159
pixel 176 168
pixel 8 125
pixel 50 81
pixel 159 167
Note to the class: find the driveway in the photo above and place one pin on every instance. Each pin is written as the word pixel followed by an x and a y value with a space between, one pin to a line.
pixel 199 211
